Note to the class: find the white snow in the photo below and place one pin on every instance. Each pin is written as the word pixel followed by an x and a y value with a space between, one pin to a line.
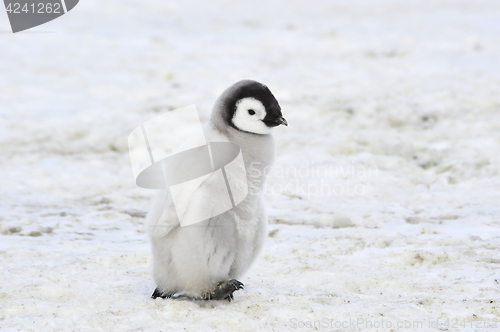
pixel 384 202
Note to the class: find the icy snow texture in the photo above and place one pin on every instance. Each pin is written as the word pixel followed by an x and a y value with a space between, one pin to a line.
pixel 408 89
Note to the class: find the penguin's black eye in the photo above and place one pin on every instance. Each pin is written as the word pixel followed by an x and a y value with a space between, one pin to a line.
pixel 251 112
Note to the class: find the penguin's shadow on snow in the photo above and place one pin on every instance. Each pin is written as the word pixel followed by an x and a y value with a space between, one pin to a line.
pixel 201 303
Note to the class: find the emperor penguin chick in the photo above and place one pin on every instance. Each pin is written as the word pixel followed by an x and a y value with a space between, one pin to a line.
pixel 204 260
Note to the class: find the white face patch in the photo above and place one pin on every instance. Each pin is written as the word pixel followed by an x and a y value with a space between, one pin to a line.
pixel 248 116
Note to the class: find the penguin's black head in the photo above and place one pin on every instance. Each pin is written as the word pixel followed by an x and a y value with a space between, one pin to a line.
pixel 251 107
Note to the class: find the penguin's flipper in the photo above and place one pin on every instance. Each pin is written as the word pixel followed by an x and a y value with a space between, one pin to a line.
pixel 224 290
pixel 157 293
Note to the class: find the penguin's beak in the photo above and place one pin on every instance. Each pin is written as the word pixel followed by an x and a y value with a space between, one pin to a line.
pixel 275 121
pixel 283 121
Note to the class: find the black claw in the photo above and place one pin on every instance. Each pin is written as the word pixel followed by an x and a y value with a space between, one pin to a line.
pixel 224 290
pixel 157 293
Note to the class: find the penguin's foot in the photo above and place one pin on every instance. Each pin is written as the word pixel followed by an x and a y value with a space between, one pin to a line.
pixel 157 293
pixel 223 291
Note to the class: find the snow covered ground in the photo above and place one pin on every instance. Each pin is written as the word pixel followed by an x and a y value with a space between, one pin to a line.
pixel 384 203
